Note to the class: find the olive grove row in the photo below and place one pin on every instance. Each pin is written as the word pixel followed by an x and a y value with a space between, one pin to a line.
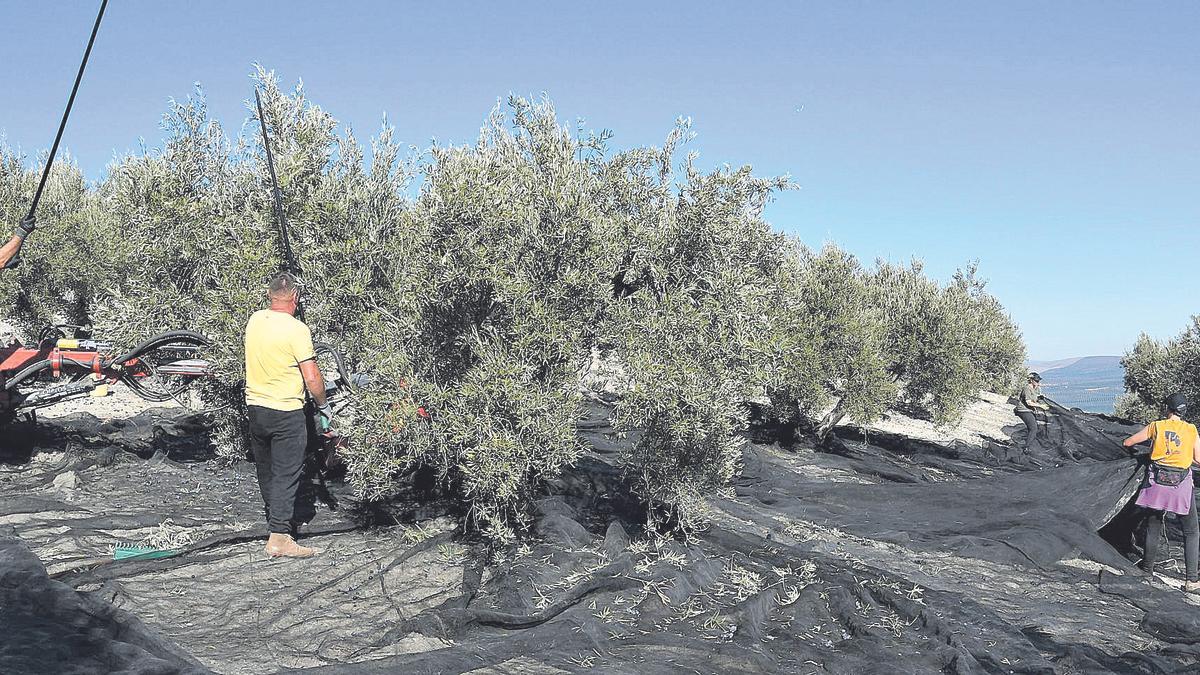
pixel 490 282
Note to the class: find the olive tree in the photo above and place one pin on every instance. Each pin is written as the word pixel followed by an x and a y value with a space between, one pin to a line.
pixel 1155 369
pixel 834 332
pixel 693 288
pixel 944 344
pixel 69 262
pixel 474 305
pixel 502 248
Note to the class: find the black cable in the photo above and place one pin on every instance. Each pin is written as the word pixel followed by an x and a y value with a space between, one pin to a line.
pixel 160 340
pixel 26 372
pixel 338 360
pixel 153 395
pixel 149 394
pixel 36 367
pixel 47 334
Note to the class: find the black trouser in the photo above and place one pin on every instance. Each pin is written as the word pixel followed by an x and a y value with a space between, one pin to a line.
pixel 1155 526
pixel 278 440
pixel 1031 442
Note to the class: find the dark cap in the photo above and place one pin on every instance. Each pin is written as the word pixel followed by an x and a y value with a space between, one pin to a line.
pixel 1176 403
pixel 1035 377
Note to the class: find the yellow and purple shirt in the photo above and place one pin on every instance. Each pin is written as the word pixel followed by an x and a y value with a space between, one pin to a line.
pixel 1174 443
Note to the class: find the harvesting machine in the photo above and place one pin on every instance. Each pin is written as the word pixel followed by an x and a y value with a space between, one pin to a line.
pixel 58 368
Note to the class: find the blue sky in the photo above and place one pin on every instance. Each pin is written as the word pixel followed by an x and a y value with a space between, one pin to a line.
pixel 1055 142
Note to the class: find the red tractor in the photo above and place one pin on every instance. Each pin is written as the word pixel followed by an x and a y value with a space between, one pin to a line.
pixel 57 368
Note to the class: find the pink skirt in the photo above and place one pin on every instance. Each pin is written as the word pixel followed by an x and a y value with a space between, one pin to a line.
pixel 1176 499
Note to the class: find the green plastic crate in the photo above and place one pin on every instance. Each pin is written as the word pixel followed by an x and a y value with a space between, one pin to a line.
pixel 139 552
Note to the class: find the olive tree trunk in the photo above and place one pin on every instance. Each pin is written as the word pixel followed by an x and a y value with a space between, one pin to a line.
pixel 830 420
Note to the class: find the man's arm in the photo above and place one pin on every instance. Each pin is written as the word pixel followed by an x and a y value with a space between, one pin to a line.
pixel 306 358
pixel 314 382
pixel 12 249
pixel 9 251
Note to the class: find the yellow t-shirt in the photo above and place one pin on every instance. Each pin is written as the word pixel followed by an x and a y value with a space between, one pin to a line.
pixel 276 343
pixel 1174 442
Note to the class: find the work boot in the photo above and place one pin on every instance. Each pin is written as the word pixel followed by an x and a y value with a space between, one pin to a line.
pixel 283 546
pixel 1191 587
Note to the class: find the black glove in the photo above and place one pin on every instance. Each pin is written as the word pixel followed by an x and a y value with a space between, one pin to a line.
pixel 27 226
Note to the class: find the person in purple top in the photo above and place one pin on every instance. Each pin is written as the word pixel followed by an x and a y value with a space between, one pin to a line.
pixel 1168 487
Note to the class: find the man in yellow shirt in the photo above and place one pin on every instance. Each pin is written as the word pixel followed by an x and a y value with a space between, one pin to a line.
pixel 280 365
pixel 9 253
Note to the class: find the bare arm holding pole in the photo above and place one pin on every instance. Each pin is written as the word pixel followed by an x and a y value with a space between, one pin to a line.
pixel 10 250
pixel 10 254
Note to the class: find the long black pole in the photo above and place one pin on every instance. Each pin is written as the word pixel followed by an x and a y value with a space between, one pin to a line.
pixel 37 196
pixel 289 260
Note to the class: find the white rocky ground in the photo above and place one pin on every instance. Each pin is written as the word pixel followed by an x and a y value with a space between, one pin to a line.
pixel 990 418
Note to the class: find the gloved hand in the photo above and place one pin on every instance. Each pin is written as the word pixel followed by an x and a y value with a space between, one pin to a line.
pixel 27 226
pixel 324 417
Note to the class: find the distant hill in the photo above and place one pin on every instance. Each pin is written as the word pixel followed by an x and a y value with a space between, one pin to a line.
pixel 1090 383
pixel 1042 366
